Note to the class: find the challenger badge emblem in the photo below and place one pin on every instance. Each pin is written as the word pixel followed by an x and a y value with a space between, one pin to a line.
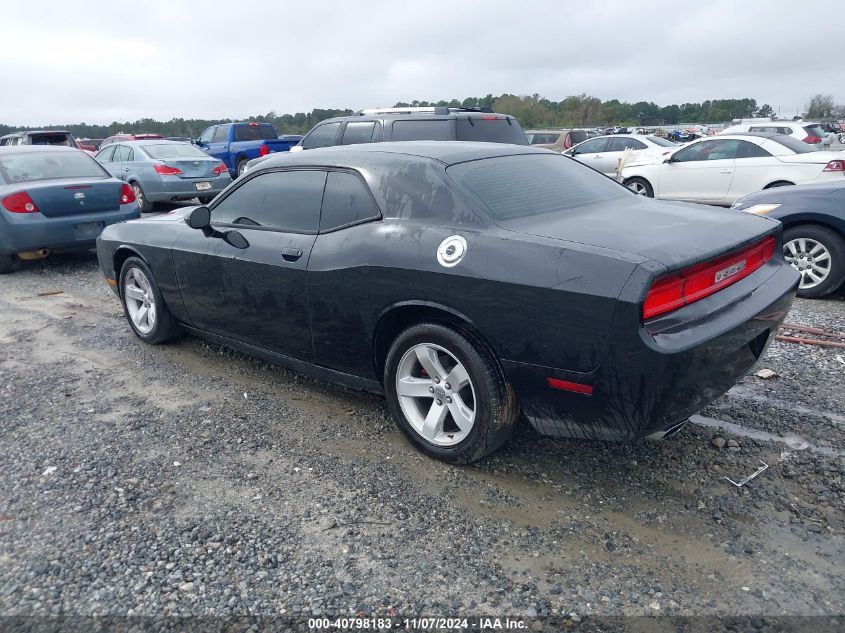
pixel 451 251
pixel 730 271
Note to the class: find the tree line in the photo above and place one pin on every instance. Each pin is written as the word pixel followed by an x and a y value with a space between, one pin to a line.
pixel 532 111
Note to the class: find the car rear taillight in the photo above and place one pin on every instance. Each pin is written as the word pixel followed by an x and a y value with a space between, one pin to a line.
pixel 166 170
pixel 835 165
pixel 812 139
pixel 263 150
pixel 127 194
pixel 220 169
pixel 702 280
pixel 20 203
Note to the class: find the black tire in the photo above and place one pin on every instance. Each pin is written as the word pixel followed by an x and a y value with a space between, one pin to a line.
pixel 165 327
pixel 835 246
pixel 7 263
pixel 496 409
pixel 242 166
pixel 647 189
pixel 145 205
pixel 205 199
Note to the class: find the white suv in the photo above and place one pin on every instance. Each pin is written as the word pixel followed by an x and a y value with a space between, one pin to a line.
pixel 802 130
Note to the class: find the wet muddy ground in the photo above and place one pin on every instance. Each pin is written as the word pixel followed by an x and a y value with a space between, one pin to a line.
pixel 188 479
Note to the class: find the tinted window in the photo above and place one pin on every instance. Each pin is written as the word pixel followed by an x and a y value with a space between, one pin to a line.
pixel 346 200
pixel 51 139
pixel 498 130
pixel 662 142
pixel 437 130
pixel 750 150
pixel 708 150
pixel 121 154
pixel 790 142
pixel 221 134
pixel 173 150
pixel 619 143
pixel 105 155
pixel 544 138
pixel 358 132
pixel 321 136
pixel 254 133
pixel 287 201
pixel 518 186
pixel 25 167
pixel 592 146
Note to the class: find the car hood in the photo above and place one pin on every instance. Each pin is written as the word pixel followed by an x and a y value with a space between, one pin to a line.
pixel 674 234
pixel 176 215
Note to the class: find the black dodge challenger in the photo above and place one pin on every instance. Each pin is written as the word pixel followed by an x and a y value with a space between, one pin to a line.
pixel 467 282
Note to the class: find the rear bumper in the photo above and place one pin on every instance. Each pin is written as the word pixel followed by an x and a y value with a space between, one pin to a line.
pixel 33 231
pixel 172 188
pixel 650 382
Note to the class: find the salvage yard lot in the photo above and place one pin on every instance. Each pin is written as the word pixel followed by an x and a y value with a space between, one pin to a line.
pixel 188 479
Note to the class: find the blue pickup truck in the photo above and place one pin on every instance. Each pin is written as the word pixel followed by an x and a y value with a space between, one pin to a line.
pixel 238 143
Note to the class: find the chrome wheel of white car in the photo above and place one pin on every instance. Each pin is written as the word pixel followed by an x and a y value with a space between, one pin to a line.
pixel 140 300
pixel 810 258
pixel 436 394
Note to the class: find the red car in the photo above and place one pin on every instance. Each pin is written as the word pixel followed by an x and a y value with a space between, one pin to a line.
pixel 128 137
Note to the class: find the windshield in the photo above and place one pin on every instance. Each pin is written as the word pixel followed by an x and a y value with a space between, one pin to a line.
pixel 173 150
pixel 661 141
pixel 531 184
pixel 29 166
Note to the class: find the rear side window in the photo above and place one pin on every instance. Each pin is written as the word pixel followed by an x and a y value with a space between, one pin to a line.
pixel 283 200
pixel 518 186
pixel 358 132
pixel 490 130
pixel 321 136
pixel 347 200
pixel 436 130
pixel 619 143
pixel 254 133
pixel 30 166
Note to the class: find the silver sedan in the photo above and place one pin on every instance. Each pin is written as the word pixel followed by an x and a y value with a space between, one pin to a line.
pixel 165 171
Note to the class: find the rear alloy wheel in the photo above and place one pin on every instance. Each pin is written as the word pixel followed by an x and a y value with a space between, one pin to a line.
pixel 448 394
pixel 144 204
pixel 640 186
pixel 143 304
pixel 6 263
pixel 819 255
pixel 242 166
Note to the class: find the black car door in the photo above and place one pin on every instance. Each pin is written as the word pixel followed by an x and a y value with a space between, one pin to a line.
pixel 256 295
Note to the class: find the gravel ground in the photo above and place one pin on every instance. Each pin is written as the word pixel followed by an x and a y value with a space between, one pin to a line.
pixel 191 480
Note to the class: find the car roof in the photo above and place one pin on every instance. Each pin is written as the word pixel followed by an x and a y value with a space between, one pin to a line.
pixel 148 141
pixel 13 149
pixel 446 152
pixel 410 116
pixel 771 135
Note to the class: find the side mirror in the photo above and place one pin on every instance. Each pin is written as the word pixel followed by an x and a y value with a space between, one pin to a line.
pixel 296 148
pixel 233 238
pixel 199 218
pixel 669 159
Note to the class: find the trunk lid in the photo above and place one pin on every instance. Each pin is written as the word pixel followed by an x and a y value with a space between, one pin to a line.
pixel 74 196
pixel 674 234
pixel 193 167
pixel 821 157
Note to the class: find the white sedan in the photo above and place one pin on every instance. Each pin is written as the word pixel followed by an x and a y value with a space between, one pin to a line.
pixel 720 170
pixel 602 153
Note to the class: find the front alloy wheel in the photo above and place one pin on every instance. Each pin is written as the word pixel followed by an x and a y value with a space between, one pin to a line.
pixel 436 394
pixel 810 258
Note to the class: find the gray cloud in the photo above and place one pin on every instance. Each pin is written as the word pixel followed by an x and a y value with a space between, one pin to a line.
pixel 97 62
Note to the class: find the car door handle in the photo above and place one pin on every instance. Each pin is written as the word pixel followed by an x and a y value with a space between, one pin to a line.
pixel 291 254
pixel 126 169
pixel 726 171
pixel 596 156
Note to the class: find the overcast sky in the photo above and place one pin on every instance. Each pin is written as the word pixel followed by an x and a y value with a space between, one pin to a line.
pixel 67 62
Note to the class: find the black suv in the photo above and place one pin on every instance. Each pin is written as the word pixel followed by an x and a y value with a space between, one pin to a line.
pixel 40 137
pixel 416 124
